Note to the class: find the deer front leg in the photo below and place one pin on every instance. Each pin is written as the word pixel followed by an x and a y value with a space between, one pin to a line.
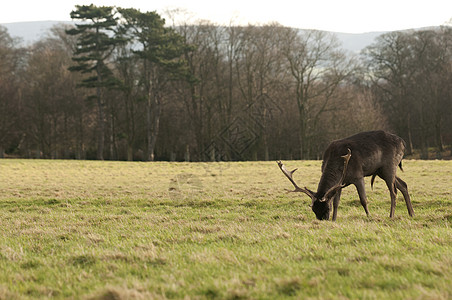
pixel 336 200
pixel 360 187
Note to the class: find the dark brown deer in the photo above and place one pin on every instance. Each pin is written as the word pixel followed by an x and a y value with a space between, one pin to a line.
pixel 348 161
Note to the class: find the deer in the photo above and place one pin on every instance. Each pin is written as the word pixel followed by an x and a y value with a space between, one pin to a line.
pixel 347 161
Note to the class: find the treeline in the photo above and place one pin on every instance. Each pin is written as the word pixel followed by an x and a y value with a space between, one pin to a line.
pixel 124 85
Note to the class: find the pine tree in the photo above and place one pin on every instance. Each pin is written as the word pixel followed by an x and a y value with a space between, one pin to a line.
pixel 96 42
pixel 160 49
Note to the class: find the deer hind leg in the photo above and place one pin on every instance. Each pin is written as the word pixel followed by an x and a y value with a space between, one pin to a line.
pixel 360 187
pixel 390 182
pixel 403 187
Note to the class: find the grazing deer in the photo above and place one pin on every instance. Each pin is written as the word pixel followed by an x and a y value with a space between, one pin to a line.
pixel 348 161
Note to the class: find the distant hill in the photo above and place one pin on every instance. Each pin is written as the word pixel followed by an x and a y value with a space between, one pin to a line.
pixel 30 32
pixel 355 42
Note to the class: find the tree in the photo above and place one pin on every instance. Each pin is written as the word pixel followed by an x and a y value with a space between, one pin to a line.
pixel 200 90
pixel 75 109
pixel 261 73
pixel 390 61
pixel 318 67
pixel 411 72
pixel 96 42
pixel 128 71
pixel 51 102
pixel 10 62
pixel 432 50
pixel 159 50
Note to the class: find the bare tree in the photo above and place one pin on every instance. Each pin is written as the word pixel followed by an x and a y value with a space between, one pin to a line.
pixel 411 71
pixel 203 92
pixel 10 59
pixel 431 84
pixel 389 62
pixel 318 66
pixel 75 111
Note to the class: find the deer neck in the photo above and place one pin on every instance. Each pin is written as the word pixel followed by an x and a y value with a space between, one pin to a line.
pixel 327 181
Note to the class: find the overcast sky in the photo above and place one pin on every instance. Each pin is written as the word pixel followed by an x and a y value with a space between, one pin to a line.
pixel 353 16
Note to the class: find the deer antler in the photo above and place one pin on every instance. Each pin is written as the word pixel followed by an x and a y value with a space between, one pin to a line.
pixel 289 176
pixel 341 184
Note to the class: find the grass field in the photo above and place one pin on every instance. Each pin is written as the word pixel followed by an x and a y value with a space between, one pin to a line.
pixel 131 230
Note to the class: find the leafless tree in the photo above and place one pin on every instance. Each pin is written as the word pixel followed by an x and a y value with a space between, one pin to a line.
pixel 318 67
pixel 10 62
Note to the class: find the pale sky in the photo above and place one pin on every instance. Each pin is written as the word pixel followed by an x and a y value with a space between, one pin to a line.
pixel 352 16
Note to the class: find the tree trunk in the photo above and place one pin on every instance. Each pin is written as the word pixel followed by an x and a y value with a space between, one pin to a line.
pixel 155 128
pixel 187 153
pixel 148 130
pixel 266 151
pixel 129 152
pixel 80 147
pixel 129 109
pixel 110 134
pixel 152 124
pixel 302 133
pixel 410 140
pixel 100 126
pixel 113 148
pixel 438 137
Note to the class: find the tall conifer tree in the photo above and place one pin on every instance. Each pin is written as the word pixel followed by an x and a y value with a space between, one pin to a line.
pixel 96 42
pixel 160 49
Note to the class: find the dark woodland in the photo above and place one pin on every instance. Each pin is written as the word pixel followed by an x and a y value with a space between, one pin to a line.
pixel 127 85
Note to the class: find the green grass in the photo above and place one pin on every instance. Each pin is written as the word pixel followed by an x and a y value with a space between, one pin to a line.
pixel 122 230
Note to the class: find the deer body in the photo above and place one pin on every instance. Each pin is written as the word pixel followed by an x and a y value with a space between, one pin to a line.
pixel 373 153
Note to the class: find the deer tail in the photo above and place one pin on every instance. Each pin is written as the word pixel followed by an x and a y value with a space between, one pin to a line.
pixel 400 166
pixel 372 181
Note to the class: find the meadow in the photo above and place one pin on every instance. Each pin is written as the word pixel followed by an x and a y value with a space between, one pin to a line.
pixel 136 230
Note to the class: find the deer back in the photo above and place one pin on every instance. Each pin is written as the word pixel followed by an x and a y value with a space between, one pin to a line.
pixel 372 151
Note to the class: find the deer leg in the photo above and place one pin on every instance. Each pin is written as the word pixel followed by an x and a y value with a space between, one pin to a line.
pixel 403 187
pixel 392 192
pixel 360 187
pixel 336 200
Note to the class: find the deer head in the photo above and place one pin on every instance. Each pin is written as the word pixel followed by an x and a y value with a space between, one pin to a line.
pixel 320 202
